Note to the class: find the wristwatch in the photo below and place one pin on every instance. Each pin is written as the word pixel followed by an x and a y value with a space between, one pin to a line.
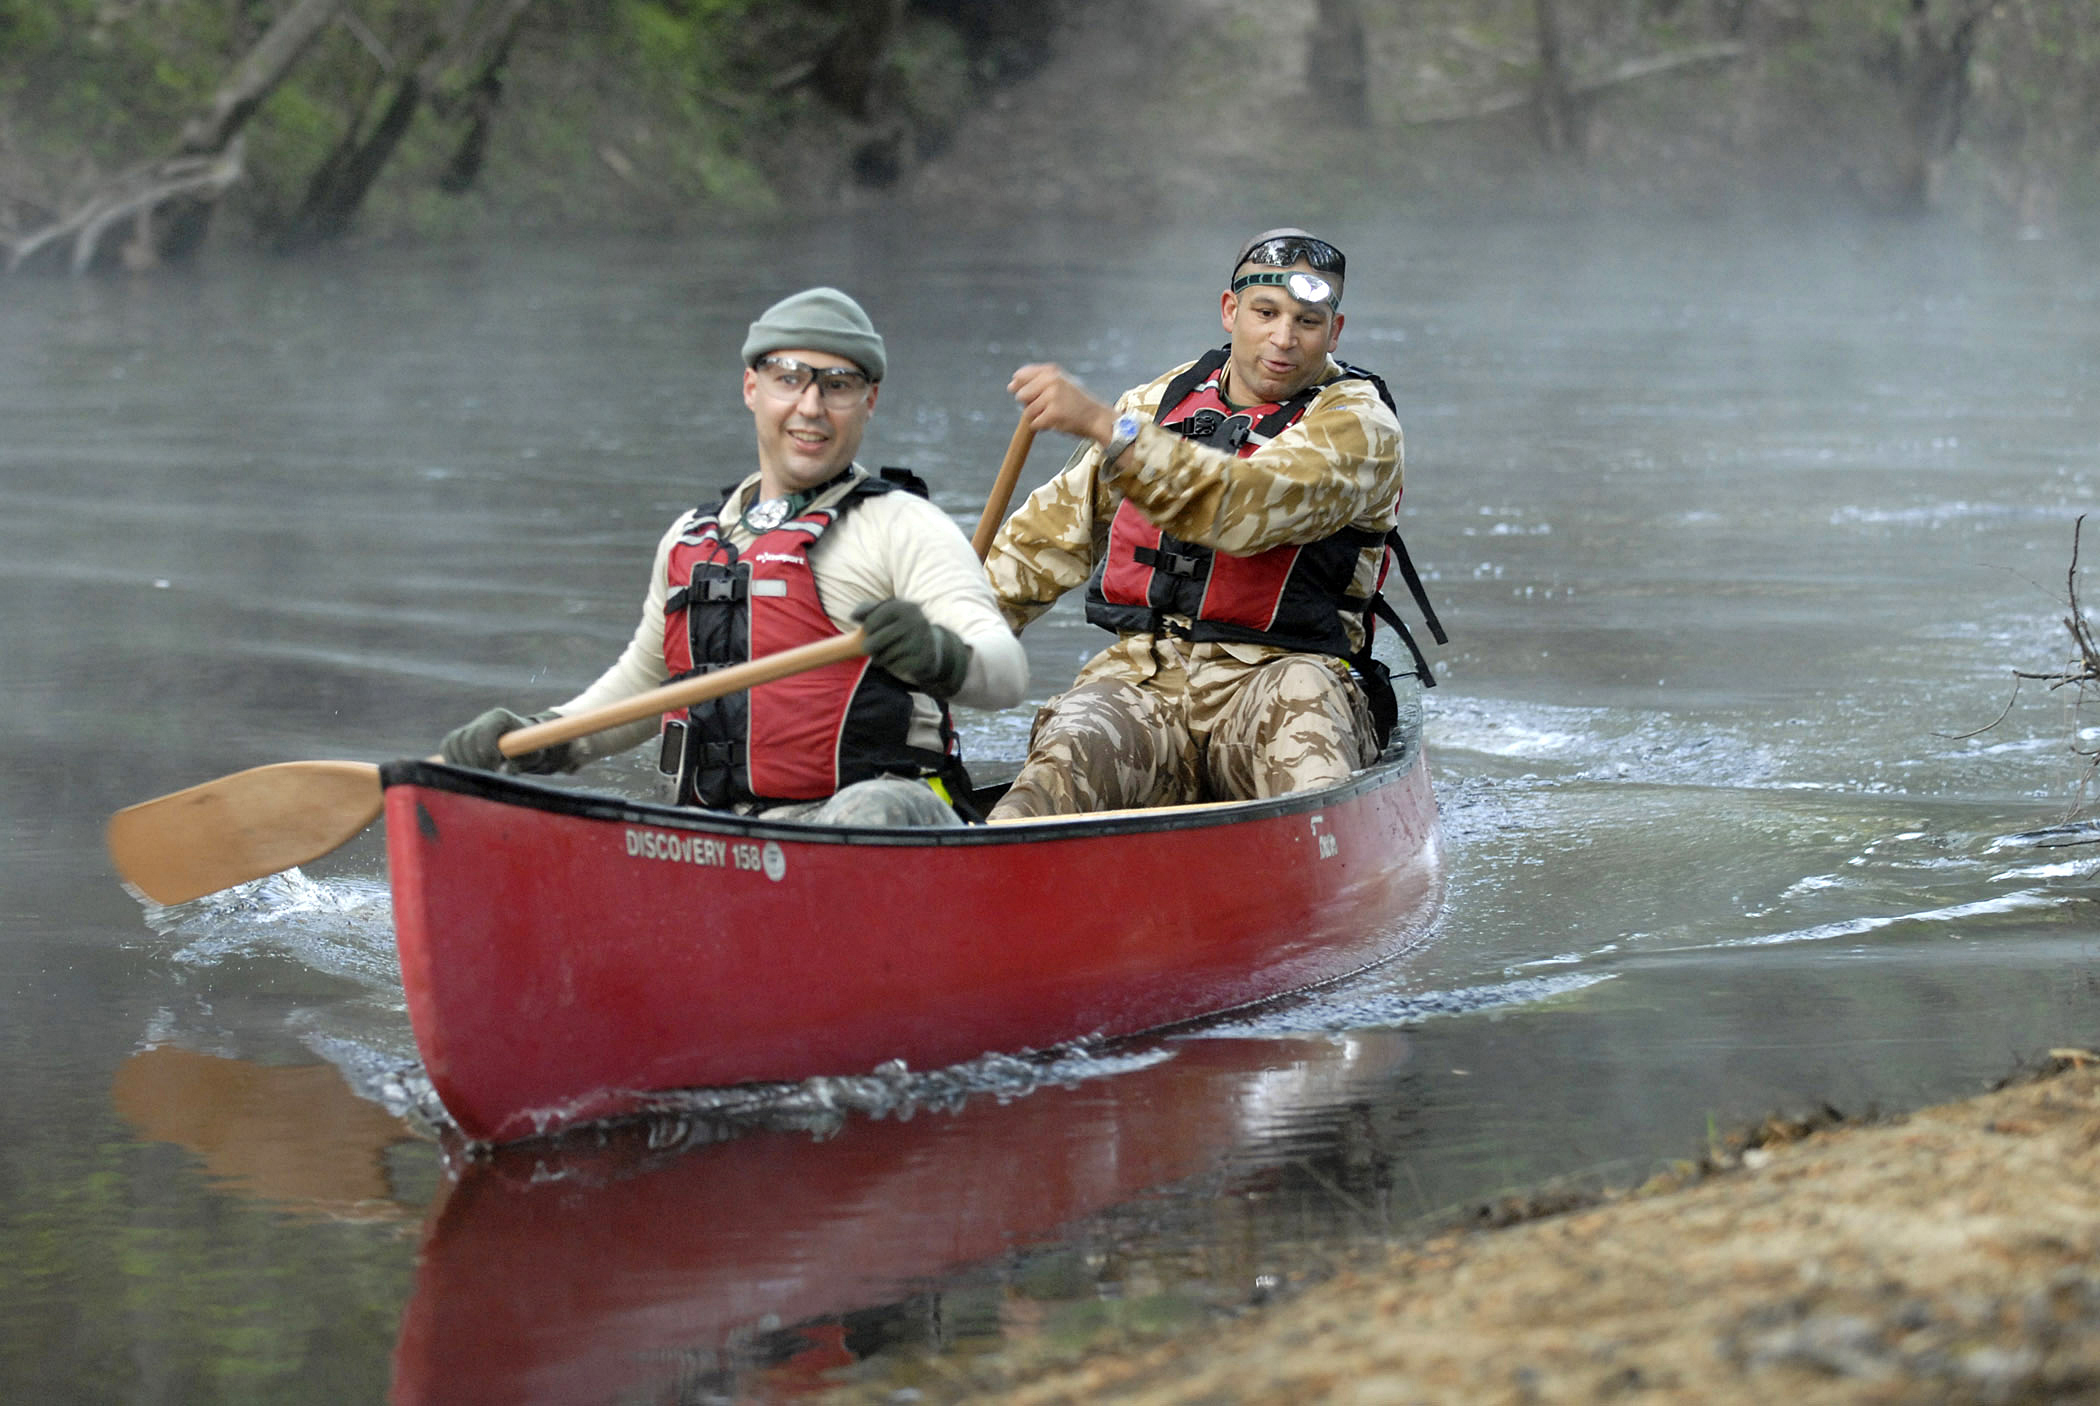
pixel 1121 438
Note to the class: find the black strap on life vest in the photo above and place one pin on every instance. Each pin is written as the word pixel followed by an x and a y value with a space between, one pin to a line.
pixel 1279 420
pixel 733 589
pixel 1269 426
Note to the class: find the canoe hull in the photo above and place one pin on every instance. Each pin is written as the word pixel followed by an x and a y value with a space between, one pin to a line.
pixel 566 955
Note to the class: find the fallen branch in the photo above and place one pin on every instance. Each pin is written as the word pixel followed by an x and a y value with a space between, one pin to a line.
pixel 2082 671
pixel 1720 51
pixel 133 195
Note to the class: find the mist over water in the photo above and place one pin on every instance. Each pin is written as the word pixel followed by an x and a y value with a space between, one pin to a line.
pixel 1736 529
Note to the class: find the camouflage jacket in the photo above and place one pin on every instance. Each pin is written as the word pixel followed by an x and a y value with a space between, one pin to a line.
pixel 1338 466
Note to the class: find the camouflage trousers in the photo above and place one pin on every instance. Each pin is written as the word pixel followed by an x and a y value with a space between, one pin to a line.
pixel 1290 725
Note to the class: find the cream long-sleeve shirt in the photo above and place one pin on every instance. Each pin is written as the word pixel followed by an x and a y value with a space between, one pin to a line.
pixel 891 545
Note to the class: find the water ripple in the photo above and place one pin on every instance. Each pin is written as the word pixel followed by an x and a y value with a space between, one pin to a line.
pixel 2025 900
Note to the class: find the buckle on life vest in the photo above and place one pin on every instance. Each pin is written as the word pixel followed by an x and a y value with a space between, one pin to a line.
pixel 1173 563
pixel 722 588
pixel 677 737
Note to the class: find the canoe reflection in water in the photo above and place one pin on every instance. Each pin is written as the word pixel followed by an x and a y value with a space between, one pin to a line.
pixel 598 1268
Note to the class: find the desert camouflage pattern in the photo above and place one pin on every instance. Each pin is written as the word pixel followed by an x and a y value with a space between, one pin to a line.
pixel 1161 720
pixel 1217 729
pixel 1339 466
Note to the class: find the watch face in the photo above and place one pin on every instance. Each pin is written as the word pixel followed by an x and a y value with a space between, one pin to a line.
pixel 767 515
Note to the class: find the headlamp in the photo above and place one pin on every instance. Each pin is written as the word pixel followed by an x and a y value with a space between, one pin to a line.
pixel 1305 287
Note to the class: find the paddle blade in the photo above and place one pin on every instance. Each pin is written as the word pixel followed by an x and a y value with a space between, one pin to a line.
pixel 241 827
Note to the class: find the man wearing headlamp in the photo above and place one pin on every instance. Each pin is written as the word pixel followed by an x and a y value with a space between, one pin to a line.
pixel 1229 522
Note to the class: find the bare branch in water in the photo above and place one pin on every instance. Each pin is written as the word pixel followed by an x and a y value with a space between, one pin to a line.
pixel 2082 672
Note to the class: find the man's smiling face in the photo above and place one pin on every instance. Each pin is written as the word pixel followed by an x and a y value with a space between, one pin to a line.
pixel 802 441
pixel 1279 345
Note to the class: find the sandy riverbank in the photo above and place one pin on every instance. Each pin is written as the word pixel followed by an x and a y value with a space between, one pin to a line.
pixel 1951 1255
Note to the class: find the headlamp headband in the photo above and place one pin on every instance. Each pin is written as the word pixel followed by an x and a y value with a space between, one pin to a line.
pixel 1305 287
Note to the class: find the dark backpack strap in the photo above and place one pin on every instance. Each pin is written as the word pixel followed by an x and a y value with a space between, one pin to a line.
pixel 1178 389
pixel 1383 609
pixel 1414 585
pixel 1378 384
pixel 906 480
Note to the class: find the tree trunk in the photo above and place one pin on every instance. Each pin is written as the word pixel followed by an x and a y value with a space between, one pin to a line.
pixel 1337 63
pixel 845 73
pixel 1933 71
pixel 337 190
pixel 1559 110
pixel 477 106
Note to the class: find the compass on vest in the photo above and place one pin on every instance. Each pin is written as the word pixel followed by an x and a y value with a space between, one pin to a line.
pixel 768 513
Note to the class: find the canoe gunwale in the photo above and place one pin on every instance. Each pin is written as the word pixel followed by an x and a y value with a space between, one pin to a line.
pixel 1393 765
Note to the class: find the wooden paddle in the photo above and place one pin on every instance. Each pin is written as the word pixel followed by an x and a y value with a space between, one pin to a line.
pixel 269 818
pixel 1003 488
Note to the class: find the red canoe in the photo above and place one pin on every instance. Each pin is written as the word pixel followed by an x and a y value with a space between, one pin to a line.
pixel 568 954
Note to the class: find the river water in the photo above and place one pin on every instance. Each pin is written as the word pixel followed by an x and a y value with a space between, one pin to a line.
pixel 1736 529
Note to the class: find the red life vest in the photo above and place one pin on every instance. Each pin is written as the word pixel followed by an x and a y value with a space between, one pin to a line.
pixel 795 739
pixel 1294 596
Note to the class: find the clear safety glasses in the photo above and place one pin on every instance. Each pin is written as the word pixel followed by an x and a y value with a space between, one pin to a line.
pixel 839 387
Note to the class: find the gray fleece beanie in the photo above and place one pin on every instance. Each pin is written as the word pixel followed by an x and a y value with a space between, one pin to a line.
pixel 818 319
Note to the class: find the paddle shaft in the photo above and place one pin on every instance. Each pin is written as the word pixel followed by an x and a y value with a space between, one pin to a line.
pixel 684 694
pixel 1003 488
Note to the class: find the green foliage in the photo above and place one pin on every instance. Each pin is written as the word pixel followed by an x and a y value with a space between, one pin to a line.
pixel 653 113
pixel 107 81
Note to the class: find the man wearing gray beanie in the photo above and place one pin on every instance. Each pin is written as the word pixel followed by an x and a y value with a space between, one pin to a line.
pixel 805 548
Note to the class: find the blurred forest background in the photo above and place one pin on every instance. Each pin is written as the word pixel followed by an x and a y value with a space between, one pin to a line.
pixel 134 133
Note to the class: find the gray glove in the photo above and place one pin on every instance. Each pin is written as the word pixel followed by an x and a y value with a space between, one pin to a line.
pixel 474 745
pixel 928 657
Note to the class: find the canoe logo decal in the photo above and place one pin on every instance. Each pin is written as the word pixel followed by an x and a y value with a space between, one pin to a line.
pixel 1328 843
pixel 707 851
